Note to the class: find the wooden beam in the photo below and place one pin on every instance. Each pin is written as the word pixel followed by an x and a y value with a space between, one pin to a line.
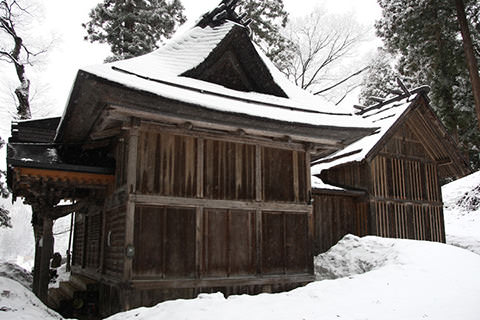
pixel 61 176
pixel 238 135
pixel 252 126
pixel 218 204
pixel 64 210
pixel 145 284
pixel 106 133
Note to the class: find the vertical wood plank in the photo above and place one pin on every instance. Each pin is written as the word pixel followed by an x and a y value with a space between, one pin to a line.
pixel 296 193
pixel 238 170
pixel 258 240
pixel 198 241
pixel 200 166
pixel 102 239
pixel 258 173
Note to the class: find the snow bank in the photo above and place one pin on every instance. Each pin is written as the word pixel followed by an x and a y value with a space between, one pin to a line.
pixel 407 280
pixel 18 303
pixel 353 255
pixel 17 273
pixel 462 212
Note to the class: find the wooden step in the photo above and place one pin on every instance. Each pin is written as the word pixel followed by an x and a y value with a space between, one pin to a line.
pixel 55 297
pixel 83 283
pixel 70 288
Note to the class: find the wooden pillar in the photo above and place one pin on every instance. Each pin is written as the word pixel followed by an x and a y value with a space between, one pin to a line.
pixel 130 214
pixel 46 253
pixel 37 233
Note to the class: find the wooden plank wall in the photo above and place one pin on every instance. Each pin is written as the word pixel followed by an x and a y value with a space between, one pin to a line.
pixel 229 170
pixel 406 198
pixel 93 238
pixel 166 247
pixel 219 242
pixel 164 239
pixel 336 216
pixel 78 241
pixel 114 245
pixel 166 164
pixel 186 237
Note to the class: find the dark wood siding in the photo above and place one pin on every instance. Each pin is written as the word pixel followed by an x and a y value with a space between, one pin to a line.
pixel 229 170
pixel 336 216
pixel 407 201
pixel 78 241
pixel 229 243
pixel 284 175
pixel 166 164
pixel 353 175
pixel 164 242
pixel 93 238
pixel 114 241
pixel 286 244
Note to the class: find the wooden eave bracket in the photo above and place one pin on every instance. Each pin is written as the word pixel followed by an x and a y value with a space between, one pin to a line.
pixel 85 178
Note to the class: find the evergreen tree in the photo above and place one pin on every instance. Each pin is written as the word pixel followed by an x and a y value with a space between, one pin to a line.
pixel 133 27
pixel 424 36
pixel 268 19
pixel 380 79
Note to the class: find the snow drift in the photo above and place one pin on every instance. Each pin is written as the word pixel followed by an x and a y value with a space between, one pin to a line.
pixel 377 278
pixel 462 212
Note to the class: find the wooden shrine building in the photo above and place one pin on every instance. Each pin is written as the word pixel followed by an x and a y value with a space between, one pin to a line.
pixel 388 183
pixel 188 170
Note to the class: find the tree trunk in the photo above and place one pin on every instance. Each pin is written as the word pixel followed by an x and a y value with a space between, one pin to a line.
pixel 469 53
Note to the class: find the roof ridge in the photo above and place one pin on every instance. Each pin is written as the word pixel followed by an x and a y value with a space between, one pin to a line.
pixel 421 89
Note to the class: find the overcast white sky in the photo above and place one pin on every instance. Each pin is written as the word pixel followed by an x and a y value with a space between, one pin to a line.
pixel 70 52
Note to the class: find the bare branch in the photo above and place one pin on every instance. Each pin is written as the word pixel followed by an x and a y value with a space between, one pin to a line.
pixel 320 42
pixel 342 81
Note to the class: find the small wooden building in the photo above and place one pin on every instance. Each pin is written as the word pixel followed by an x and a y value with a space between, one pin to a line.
pixel 387 184
pixel 188 170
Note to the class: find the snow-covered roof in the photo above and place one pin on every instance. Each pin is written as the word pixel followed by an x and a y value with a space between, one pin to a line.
pixel 160 73
pixel 383 117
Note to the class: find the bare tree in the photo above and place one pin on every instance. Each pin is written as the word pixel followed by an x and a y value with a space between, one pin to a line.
pixel 13 50
pixel 320 42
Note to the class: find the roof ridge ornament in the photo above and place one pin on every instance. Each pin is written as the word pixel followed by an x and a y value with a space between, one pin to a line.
pixel 399 95
pixel 223 12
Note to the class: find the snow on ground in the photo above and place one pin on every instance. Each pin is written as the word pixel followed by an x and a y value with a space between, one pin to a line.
pixel 18 303
pixel 372 278
pixel 462 212
pixel 17 273
pixel 407 280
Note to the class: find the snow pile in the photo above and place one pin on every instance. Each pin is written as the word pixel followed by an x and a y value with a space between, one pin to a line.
pixel 462 212
pixel 17 273
pixel 18 303
pixel 408 280
pixel 353 255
